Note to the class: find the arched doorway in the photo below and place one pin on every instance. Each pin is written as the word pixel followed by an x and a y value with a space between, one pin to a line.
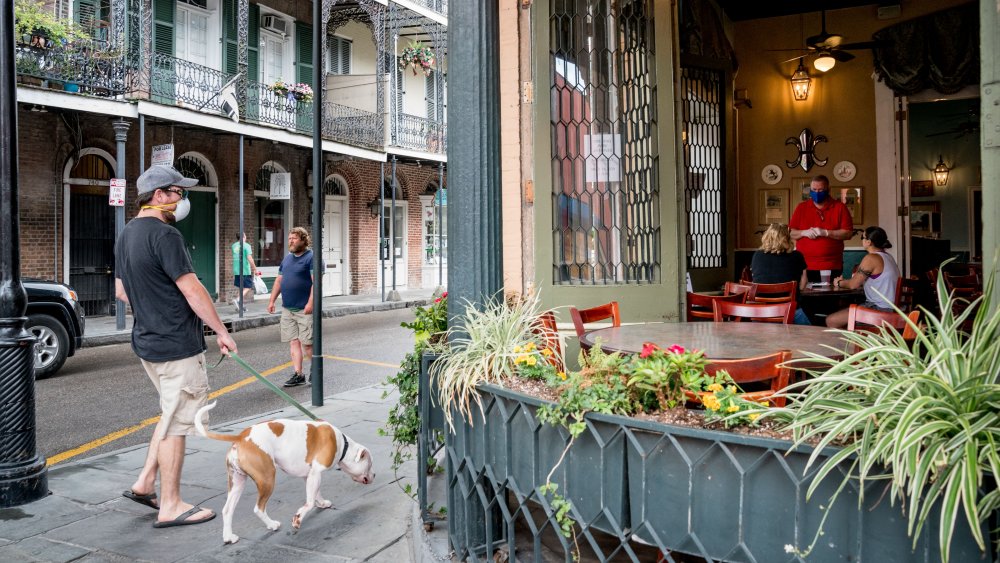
pixel 393 258
pixel 89 230
pixel 274 220
pixel 200 228
pixel 335 223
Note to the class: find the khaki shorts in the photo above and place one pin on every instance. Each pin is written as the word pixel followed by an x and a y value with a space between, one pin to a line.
pixel 296 325
pixel 183 389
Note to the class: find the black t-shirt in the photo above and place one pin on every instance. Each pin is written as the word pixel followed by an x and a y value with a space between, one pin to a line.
pixel 149 257
pixel 777 268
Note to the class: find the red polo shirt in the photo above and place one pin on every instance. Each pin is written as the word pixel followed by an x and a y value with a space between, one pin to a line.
pixel 821 253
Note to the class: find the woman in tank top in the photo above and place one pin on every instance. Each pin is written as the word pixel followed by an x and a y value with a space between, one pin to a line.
pixel 877 273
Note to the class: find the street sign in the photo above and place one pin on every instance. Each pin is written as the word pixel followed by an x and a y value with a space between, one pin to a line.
pixel 281 185
pixel 163 154
pixel 116 195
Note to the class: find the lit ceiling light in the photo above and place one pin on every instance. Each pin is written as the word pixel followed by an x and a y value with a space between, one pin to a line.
pixel 941 172
pixel 824 62
pixel 800 83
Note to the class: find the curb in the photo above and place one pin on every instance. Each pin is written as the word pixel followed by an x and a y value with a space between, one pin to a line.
pixel 257 321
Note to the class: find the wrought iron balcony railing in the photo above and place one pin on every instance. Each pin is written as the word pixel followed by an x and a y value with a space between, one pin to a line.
pixel 175 81
pixel 266 107
pixel 439 6
pixel 419 133
pixel 352 126
pixel 89 67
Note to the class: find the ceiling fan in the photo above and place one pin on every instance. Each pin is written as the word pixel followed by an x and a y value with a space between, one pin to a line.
pixel 828 48
pixel 968 127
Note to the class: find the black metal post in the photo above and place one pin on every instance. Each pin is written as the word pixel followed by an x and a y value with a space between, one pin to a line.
pixel 393 295
pixel 475 266
pixel 239 237
pixel 121 134
pixel 317 165
pixel 440 202
pixel 381 226
pixel 23 476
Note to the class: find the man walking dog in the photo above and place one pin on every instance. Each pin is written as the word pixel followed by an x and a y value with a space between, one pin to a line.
pixel 153 273
pixel 294 284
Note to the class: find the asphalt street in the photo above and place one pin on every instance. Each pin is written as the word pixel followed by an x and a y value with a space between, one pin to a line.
pixel 103 392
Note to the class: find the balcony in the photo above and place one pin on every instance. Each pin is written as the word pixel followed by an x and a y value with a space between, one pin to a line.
pixel 86 67
pixel 439 6
pixel 419 133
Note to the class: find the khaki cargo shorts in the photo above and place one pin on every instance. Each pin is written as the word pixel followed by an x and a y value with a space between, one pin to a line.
pixel 296 325
pixel 183 388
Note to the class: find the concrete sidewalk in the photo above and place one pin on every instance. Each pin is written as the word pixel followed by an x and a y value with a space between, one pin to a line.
pixel 101 331
pixel 85 518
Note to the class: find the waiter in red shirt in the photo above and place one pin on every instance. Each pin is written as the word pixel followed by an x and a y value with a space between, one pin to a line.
pixel 820 227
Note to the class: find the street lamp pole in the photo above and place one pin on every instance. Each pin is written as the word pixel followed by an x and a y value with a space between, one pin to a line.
pixel 23 477
pixel 121 133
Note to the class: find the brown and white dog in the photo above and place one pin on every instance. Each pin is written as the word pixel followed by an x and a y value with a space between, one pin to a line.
pixel 299 447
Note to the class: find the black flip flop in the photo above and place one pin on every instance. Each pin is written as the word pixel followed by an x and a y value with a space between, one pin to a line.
pixel 181 520
pixel 146 500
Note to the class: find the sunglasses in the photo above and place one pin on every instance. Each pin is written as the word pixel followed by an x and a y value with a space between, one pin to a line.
pixel 179 191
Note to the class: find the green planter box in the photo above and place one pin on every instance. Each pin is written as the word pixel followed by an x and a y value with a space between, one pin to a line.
pixel 712 494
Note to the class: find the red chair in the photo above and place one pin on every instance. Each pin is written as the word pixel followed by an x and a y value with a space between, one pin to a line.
pixel 746 275
pixel 699 305
pixel 906 293
pixel 594 314
pixel 966 285
pixel 757 312
pixel 773 292
pixel 762 368
pixel 732 288
pixel 547 329
pixel 864 319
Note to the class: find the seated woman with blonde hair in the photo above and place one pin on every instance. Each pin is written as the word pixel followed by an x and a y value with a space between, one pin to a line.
pixel 877 273
pixel 777 261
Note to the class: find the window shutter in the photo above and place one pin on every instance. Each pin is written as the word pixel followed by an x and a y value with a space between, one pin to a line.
pixel 253 44
pixel 303 53
pixel 399 91
pixel 87 14
pixel 163 26
pixel 230 52
pixel 430 84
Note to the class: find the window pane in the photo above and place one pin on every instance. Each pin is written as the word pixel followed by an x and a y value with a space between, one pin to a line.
pixel 271 232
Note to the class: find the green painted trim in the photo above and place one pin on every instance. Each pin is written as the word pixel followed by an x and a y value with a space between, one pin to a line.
pixel 639 302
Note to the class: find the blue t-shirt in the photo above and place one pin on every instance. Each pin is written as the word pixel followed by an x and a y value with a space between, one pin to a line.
pixel 296 280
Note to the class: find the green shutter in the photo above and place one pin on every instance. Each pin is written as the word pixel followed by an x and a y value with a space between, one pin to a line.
pixel 303 53
pixel 230 49
pixel 163 26
pixel 253 47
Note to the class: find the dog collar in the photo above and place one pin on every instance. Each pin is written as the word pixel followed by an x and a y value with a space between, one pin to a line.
pixel 346 445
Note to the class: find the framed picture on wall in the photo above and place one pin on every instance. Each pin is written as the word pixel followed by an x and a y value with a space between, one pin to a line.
pixel 801 186
pixel 851 197
pixel 921 188
pixel 925 219
pixel 773 206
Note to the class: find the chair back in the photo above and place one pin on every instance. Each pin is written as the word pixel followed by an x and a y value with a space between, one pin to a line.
pixel 761 312
pixel 546 328
pixel 746 275
pixel 699 305
pixel 732 288
pixel 773 292
pixel 864 319
pixel 906 292
pixel 582 316
pixel 762 368
pixel 963 285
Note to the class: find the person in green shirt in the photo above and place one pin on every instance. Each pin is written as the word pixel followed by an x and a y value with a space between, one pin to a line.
pixel 244 281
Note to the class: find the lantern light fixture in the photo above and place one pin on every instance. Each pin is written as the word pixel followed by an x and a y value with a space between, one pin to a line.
pixel 941 172
pixel 801 83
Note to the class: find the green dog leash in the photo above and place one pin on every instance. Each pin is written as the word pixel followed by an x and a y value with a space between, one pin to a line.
pixel 277 390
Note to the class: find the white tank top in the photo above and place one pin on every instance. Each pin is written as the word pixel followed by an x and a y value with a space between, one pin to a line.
pixel 885 283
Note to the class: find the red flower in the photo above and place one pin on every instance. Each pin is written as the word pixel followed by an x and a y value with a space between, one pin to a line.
pixel 648 349
pixel 676 349
pixel 438 300
pixel 444 295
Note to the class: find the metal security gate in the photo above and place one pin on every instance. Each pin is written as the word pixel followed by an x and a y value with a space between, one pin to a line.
pixel 91 251
pixel 704 166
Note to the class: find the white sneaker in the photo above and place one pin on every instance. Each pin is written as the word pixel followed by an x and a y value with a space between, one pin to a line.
pixel 236 303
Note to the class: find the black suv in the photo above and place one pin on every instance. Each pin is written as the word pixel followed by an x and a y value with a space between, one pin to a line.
pixel 56 318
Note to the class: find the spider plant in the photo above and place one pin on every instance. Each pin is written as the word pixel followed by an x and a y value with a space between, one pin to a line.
pixel 481 350
pixel 925 416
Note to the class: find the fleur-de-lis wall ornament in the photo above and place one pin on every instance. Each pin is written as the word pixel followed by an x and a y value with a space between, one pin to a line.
pixel 806 144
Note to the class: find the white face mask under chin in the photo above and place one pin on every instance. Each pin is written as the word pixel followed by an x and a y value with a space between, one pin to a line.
pixel 182 210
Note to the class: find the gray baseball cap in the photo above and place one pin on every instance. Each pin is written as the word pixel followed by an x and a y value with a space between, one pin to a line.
pixel 162 176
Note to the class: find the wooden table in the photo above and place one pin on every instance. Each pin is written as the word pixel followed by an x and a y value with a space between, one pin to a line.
pixel 818 302
pixel 722 341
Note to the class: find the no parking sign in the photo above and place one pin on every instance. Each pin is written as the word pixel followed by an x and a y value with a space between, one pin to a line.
pixel 116 195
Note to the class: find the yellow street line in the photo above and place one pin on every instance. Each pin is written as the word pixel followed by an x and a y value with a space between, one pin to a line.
pixel 368 362
pixel 58 458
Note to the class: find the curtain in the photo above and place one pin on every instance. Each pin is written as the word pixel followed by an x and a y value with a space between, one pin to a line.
pixel 939 50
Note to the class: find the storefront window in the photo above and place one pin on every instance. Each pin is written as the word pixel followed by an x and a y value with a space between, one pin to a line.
pixel 271 232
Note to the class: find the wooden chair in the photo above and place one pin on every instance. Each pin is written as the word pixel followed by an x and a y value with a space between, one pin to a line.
pixel 594 314
pixel 733 288
pixel 699 305
pixel 746 276
pixel 906 292
pixel 773 292
pixel 547 329
pixel 963 285
pixel 762 368
pixel 864 319
pixel 757 312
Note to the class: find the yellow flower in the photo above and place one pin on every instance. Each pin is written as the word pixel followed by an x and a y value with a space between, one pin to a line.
pixel 521 359
pixel 753 416
pixel 764 404
pixel 562 375
pixel 733 408
pixel 711 403
pixel 529 346
pixel 517 349
pixel 731 388
pixel 546 352
pixel 531 361
pixel 715 387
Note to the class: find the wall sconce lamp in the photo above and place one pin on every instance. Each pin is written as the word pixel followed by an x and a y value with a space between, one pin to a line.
pixel 374 207
pixel 941 172
pixel 800 83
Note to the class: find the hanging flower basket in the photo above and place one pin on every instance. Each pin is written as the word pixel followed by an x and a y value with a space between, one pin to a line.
pixel 301 92
pixel 280 89
pixel 419 57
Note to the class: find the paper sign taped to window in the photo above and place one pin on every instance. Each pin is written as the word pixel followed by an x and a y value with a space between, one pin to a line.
pixel 116 195
pixel 162 154
pixel 281 185
pixel 602 154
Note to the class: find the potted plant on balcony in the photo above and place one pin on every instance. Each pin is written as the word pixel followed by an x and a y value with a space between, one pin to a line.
pixel 279 88
pixel 302 92
pixel 419 56
pixel 37 26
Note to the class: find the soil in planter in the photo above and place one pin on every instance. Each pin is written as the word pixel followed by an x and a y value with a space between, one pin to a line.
pixel 680 416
